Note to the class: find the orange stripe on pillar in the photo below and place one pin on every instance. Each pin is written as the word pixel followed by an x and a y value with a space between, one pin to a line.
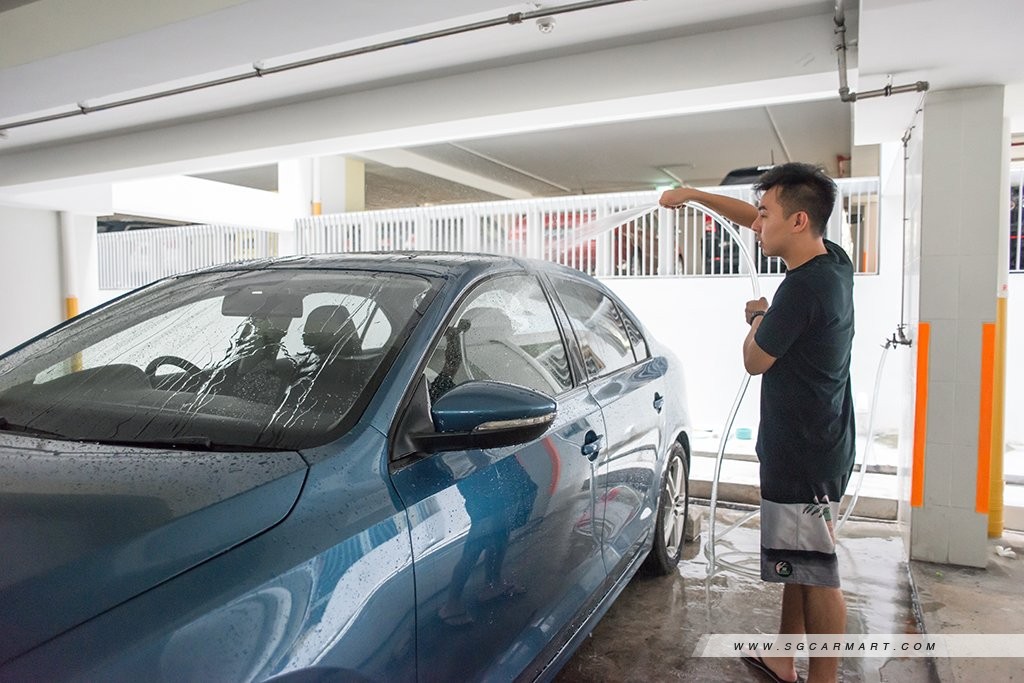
pixel 924 333
pixel 996 484
pixel 988 352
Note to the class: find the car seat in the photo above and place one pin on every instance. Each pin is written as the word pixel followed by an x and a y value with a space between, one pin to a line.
pixel 491 352
pixel 257 375
pixel 331 373
pixel 329 331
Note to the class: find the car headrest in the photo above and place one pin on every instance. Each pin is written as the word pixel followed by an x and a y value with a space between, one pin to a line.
pixel 329 329
pixel 487 324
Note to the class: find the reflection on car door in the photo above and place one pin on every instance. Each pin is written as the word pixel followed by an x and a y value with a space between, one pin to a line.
pixel 503 545
pixel 630 393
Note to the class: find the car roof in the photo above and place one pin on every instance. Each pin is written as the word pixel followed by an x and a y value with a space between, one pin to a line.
pixel 426 263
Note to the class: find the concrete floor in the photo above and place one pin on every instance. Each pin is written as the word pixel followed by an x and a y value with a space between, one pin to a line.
pixel 650 632
pixel 966 600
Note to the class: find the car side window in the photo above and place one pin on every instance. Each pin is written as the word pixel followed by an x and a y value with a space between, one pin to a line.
pixel 505 331
pixel 600 331
pixel 636 337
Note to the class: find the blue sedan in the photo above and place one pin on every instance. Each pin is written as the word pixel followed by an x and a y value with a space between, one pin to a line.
pixel 395 467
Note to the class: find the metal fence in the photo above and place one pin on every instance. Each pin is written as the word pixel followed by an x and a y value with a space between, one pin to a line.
pixel 133 258
pixel 663 242
pixel 683 242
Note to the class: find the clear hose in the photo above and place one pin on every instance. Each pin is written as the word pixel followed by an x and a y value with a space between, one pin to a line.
pixel 710 549
pixel 865 459
pixel 593 228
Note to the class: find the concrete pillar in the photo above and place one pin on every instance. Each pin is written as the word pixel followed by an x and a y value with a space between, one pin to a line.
pixel 79 263
pixel 31 297
pixel 295 185
pixel 342 183
pixel 865 161
pixel 963 221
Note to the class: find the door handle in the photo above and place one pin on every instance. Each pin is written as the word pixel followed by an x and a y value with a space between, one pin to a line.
pixel 592 443
pixel 659 401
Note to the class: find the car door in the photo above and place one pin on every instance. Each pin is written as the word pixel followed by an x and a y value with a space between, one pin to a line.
pixel 504 552
pixel 629 387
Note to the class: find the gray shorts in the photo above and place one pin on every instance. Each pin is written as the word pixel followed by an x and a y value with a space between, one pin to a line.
pixel 798 542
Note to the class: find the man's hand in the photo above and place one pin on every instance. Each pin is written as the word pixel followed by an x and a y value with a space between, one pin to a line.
pixel 677 197
pixel 755 308
pixel 755 359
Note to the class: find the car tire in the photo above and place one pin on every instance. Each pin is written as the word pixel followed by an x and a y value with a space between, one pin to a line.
pixel 673 505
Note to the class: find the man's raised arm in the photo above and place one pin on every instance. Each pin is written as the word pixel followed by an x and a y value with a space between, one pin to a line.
pixel 736 210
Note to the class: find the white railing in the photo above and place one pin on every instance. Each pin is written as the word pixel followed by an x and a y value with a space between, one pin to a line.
pixel 133 258
pixel 661 243
pixel 664 242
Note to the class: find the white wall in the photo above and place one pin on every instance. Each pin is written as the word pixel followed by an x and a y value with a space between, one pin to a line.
pixel 702 319
pixel 30 279
pixel 1013 425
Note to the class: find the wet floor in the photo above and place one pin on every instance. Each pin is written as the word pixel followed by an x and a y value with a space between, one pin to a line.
pixel 968 600
pixel 651 631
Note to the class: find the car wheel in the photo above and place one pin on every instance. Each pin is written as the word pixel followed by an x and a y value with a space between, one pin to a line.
pixel 670 527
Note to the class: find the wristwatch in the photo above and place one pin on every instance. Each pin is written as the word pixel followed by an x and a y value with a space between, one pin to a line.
pixel 754 315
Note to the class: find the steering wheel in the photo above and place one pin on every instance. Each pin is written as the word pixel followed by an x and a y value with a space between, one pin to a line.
pixel 188 367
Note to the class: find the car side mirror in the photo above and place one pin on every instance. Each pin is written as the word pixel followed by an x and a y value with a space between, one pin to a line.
pixel 486 414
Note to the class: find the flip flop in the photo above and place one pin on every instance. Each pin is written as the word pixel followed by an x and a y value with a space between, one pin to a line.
pixel 503 590
pixel 460 618
pixel 755 662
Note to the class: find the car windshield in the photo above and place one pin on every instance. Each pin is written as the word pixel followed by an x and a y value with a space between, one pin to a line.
pixel 263 359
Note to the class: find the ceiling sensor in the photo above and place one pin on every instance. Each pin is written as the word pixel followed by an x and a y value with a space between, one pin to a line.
pixel 546 24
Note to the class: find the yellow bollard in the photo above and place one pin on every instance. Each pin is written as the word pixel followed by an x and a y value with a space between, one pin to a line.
pixel 70 311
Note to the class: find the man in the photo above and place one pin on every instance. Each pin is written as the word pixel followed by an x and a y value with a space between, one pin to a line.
pixel 801 345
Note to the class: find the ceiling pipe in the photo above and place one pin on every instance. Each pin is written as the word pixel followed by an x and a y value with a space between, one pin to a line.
pixel 259 71
pixel 510 167
pixel 844 89
pixel 778 134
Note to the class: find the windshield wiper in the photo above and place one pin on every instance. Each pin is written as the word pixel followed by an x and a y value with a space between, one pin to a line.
pixel 195 443
pixel 9 426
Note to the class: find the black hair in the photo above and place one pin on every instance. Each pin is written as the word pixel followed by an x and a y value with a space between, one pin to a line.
pixel 802 187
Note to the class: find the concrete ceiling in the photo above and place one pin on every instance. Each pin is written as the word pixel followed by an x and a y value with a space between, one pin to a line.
pixel 627 96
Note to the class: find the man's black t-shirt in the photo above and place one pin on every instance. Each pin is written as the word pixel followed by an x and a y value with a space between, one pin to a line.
pixel 807 428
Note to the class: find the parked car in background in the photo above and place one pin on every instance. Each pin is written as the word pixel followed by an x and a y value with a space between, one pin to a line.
pixel 406 466
pixel 745 176
pixel 632 248
pixel 1016 262
pixel 723 254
